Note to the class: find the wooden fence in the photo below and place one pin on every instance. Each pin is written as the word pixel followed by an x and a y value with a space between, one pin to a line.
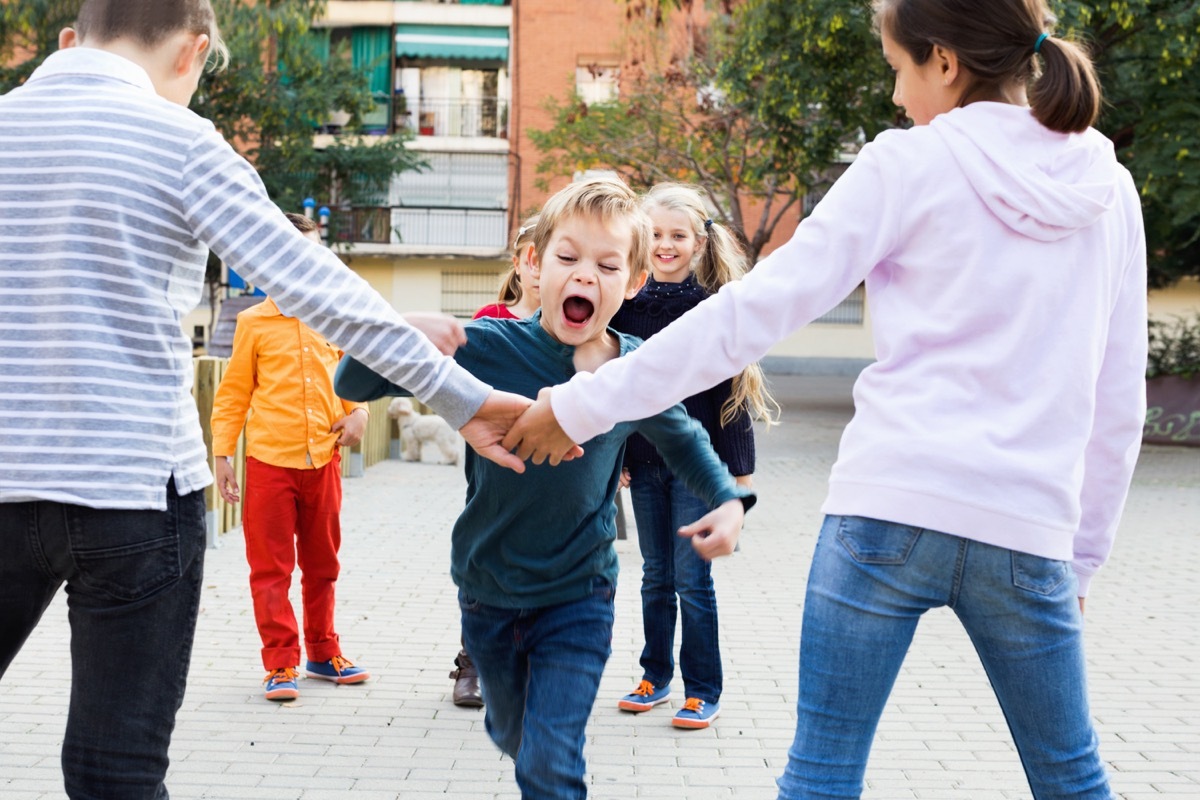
pixel 375 447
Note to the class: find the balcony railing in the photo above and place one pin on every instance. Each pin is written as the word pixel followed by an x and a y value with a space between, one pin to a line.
pixel 443 229
pixel 453 116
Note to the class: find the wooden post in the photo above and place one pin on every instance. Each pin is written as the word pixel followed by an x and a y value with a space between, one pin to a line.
pixel 207 375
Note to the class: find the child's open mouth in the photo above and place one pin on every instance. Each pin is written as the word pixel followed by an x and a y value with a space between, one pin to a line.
pixel 577 310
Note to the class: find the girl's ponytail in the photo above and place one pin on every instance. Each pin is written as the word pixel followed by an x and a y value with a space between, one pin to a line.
pixel 1066 97
pixel 998 42
pixel 510 283
pixel 510 288
pixel 721 259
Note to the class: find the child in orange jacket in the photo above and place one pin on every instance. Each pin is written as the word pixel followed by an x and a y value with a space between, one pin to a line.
pixel 281 372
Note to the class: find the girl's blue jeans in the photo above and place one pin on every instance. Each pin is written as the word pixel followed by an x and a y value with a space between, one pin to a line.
pixel 539 671
pixel 670 568
pixel 868 586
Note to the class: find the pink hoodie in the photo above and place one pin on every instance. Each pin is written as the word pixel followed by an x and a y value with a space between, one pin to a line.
pixel 1005 268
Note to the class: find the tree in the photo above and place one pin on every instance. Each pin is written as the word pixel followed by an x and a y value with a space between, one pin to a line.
pixel 812 74
pixel 1146 52
pixel 732 113
pixel 279 86
pixel 672 122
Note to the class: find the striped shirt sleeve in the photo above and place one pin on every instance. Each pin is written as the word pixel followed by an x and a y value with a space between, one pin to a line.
pixel 227 207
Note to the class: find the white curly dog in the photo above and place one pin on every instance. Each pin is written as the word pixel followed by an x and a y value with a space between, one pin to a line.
pixel 425 437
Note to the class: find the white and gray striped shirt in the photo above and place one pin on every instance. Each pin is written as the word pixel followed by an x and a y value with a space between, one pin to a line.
pixel 109 195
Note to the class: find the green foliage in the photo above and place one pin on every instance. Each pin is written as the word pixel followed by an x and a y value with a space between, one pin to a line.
pixel 28 33
pixel 277 88
pixel 812 74
pixel 1146 52
pixel 672 123
pixel 1174 347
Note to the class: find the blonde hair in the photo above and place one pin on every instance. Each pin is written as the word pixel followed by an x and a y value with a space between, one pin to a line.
pixel 720 259
pixel 607 199
pixel 150 22
pixel 511 289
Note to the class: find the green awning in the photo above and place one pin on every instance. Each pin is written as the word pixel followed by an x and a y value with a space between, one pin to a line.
pixel 452 41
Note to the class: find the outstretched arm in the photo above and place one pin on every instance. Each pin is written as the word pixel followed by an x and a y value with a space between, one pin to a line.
pixel 853 229
pixel 484 431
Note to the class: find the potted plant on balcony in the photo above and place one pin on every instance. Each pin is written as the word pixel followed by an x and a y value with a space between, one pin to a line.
pixel 1173 382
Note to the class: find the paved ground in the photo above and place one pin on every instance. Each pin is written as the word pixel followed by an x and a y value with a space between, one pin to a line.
pixel 398 736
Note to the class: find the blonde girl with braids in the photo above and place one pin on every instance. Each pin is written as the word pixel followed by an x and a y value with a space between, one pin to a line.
pixel 691 258
pixel 519 295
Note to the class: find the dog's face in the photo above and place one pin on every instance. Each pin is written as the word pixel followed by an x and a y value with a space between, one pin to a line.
pixel 401 408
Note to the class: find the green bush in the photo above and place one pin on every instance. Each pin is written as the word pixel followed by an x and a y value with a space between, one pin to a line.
pixel 1174 347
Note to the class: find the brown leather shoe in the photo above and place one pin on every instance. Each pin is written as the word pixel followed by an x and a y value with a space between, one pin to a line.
pixel 466 682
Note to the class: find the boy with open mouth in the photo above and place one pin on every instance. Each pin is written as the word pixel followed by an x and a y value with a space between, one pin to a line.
pixel 532 553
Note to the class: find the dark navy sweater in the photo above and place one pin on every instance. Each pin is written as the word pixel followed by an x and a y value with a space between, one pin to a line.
pixel 655 307
pixel 539 538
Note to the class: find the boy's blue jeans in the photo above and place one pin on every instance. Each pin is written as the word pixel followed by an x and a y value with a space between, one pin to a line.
pixel 133 591
pixel 539 671
pixel 670 567
pixel 868 586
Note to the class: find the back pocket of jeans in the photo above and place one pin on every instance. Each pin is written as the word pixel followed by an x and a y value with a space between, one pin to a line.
pixel 128 555
pixel 873 541
pixel 1038 575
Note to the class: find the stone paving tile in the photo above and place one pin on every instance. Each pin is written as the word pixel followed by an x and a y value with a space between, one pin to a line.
pixel 398 736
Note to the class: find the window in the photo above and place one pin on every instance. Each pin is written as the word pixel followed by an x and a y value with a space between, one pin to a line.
pixel 847 312
pixel 464 293
pixel 597 83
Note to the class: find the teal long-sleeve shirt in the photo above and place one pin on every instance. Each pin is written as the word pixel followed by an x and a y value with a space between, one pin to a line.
pixel 539 538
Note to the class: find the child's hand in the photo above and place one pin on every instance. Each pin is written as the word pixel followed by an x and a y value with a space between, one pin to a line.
pixel 538 436
pixel 446 332
pixel 227 483
pixel 624 478
pixel 353 427
pixel 493 419
pixel 716 533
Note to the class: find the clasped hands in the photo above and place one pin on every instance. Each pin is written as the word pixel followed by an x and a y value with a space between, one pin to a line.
pixel 510 429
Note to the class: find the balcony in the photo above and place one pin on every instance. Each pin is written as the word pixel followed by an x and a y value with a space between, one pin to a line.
pixel 457 204
pixel 434 231
pixel 453 116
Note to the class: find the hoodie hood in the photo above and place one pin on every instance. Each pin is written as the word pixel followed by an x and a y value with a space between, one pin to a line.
pixel 1045 192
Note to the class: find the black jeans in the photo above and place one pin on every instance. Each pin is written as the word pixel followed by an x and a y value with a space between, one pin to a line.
pixel 133 591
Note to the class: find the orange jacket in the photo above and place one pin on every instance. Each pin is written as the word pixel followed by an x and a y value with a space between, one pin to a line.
pixel 281 372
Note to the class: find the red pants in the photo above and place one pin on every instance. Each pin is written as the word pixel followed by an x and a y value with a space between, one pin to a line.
pixel 293 515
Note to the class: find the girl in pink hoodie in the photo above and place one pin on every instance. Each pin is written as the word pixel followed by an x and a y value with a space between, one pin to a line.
pixel 994 438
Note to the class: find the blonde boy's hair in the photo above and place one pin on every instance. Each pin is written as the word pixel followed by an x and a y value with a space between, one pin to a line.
pixel 606 199
pixel 149 22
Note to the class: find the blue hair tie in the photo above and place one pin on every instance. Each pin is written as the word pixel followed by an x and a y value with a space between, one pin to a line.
pixel 1037 46
pixel 708 223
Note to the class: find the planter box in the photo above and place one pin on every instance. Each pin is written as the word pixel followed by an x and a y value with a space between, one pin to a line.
pixel 1172 411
